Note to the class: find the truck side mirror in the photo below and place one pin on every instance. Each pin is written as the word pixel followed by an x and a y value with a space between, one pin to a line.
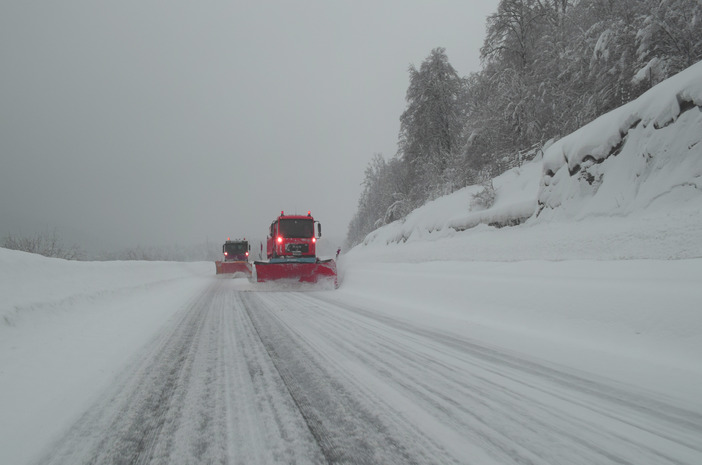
pixel 319 229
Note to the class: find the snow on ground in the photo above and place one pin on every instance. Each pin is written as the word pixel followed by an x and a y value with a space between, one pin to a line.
pixel 607 262
pixel 608 272
pixel 636 321
pixel 67 328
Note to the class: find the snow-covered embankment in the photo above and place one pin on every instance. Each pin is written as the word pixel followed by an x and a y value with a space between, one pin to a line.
pixel 68 328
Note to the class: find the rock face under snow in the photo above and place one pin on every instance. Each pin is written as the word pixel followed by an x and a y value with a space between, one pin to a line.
pixel 631 158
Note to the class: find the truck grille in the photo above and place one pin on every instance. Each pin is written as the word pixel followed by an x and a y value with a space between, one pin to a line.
pixel 297 249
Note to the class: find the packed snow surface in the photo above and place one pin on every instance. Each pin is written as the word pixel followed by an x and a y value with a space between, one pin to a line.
pixel 573 337
pixel 632 326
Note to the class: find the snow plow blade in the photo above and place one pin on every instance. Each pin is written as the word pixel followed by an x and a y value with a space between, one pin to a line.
pixel 243 268
pixel 300 271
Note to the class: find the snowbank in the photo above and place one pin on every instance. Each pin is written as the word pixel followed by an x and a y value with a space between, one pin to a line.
pixel 67 328
pixel 642 156
pixel 515 201
pixel 32 283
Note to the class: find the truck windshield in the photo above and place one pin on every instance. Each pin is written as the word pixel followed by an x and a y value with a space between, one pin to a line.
pixel 296 228
pixel 236 248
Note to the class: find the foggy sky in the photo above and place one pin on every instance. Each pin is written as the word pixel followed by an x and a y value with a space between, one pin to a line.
pixel 134 123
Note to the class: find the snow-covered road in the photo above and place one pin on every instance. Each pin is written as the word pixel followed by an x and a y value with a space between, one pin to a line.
pixel 203 391
pixel 249 375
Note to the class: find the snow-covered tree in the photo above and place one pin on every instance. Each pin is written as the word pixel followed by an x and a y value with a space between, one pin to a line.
pixel 431 127
pixel 521 54
pixel 669 40
pixel 46 243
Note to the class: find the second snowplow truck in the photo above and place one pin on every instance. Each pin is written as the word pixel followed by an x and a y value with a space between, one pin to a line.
pixel 236 258
pixel 291 248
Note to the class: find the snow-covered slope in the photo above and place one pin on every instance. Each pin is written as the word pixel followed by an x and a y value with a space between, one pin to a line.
pixel 643 156
pixel 627 185
pixel 67 328
pixel 30 282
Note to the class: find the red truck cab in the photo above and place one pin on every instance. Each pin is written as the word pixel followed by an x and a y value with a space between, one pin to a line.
pixel 236 258
pixel 293 236
pixel 236 250
pixel 291 247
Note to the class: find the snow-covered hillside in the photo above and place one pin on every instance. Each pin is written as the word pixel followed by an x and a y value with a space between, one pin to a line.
pixel 643 157
pixel 627 185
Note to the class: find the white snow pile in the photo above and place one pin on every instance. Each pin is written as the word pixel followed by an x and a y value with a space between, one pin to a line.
pixel 645 155
pixel 630 180
pixel 67 328
pixel 30 283
pixel 516 192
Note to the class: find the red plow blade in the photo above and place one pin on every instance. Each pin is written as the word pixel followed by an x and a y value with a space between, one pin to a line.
pixel 233 268
pixel 302 272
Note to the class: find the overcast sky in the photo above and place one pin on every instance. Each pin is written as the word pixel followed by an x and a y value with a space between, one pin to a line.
pixel 133 123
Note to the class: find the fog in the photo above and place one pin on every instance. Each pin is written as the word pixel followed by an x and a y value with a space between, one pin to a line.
pixel 140 123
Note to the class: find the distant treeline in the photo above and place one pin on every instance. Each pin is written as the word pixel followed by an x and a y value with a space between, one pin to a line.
pixel 207 251
pixel 548 68
pixel 49 244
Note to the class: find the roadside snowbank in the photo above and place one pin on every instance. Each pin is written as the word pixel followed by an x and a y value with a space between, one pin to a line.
pixel 30 282
pixel 658 108
pixel 515 199
pixel 643 156
pixel 68 328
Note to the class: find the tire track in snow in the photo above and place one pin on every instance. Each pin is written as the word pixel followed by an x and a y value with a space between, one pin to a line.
pixel 517 409
pixel 347 429
pixel 321 436
pixel 274 377
pixel 203 391
pixel 661 411
pixel 143 397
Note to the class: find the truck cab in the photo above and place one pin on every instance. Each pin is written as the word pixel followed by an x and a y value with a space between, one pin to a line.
pixel 236 250
pixel 236 258
pixel 291 247
pixel 293 236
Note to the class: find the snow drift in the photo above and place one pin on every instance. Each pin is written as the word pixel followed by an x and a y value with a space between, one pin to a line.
pixel 641 156
pixel 67 328
pixel 30 283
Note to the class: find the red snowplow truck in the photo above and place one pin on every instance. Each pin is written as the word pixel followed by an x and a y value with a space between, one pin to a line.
pixel 291 248
pixel 236 258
